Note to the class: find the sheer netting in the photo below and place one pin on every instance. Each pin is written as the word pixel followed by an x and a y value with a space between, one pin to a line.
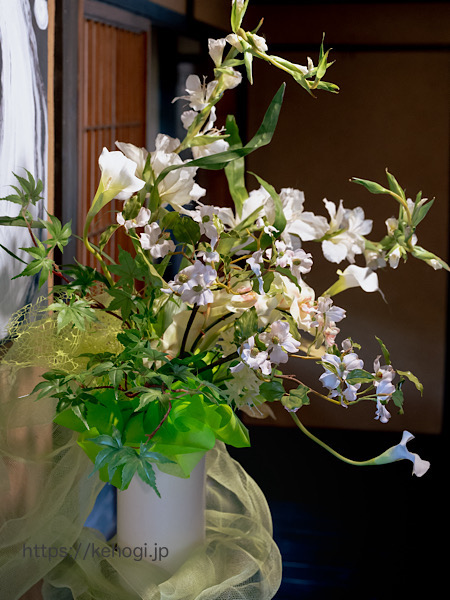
pixel 47 494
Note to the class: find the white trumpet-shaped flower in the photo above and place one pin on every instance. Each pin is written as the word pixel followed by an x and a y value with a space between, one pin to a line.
pixel 354 276
pixel 137 155
pixel 118 178
pixel 178 188
pixel 215 49
pixel 400 452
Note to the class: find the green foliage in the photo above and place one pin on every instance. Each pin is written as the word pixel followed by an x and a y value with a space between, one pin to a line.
pixel 28 191
pixel 296 398
pixel 246 325
pixel 74 313
pixel 130 461
pixel 413 379
pixel 41 264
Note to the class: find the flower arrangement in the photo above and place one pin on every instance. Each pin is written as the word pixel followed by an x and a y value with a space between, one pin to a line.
pixel 161 349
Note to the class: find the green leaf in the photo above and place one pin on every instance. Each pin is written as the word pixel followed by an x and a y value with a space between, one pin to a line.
pixel 425 255
pixel 262 137
pixel 148 397
pixel 280 219
pixel 374 188
pixel 146 472
pixel 185 229
pixel 421 208
pixel 115 377
pixel 359 376
pixel 246 325
pixel 394 186
pixel 106 235
pixel 77 313
pixel 296 398
pixel 59 234
pixel 29 191
pixel 41 264
pixel 413 380
pixel 398 399
pixel 84 277
pixel 384 350
pixel 235 170
pixel 205 140
pixel 127 269
pixel 272 390
pixel 19 221
pixel 12 254
pixel 123 301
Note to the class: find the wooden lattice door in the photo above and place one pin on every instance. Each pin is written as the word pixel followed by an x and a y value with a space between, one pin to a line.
pixel 112 102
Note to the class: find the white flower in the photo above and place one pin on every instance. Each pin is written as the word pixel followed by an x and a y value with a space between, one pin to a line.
pixel 241 44
pixel 215 48
pixel 279 341
pixel 198 93
pixel 253 358
pixel 138 155
pixel 308 69
pixel 394 256
pixel 142 218
pixel 118 178
pixel 327 315
pixel 375 259
pixel 354 276
pixel 298 261
pixel 400 452
pixel 178 188
pixel 205 216
pixel 391 225
pixel 336 370
pixel 220 145
pixel 327 312
pixel 300 224
pixel 382 414
pixel 193 283
pixel 384 389
pixel 255 261
pixel 350 241
pixel 253 205
pixel 258 41
pixel 231 78
pixel 236 41
pixel 208 257
pixel 150 240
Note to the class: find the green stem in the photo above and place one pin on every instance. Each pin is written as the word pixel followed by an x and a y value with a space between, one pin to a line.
pixel 97 255
pixel 219 362
pixel 192 316
pixel 356 463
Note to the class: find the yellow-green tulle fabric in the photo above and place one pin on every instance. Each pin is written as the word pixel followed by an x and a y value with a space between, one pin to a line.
pixel 47 494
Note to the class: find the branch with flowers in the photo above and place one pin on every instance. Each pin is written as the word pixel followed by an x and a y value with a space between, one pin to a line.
pixel 212 301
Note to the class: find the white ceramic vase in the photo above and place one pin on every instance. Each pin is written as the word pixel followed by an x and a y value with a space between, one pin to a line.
pixel 163 530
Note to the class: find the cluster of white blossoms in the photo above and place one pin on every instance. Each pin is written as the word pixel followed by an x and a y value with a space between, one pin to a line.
pixel 269 348
pixel 338 370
